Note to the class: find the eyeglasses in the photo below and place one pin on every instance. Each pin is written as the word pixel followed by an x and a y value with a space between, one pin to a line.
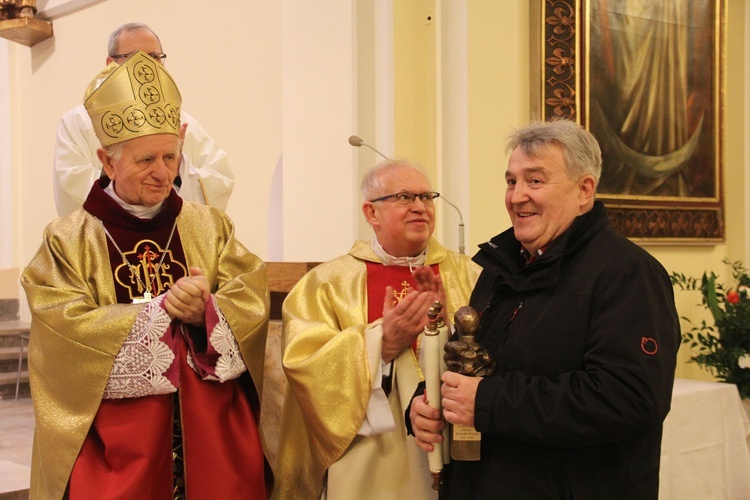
pixel 406 198
pixel 159 56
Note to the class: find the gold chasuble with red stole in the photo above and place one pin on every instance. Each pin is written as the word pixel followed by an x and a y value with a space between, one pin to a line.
pixel 400 278
pixel 332 330
pixel 128 403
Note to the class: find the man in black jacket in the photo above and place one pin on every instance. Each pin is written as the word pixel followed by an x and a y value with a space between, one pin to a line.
pixel 583 328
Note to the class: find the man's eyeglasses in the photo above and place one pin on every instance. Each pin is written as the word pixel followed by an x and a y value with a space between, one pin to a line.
pixel 159 56
pixel 406 198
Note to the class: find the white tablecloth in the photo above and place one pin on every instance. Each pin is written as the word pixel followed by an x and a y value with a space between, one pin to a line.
pixel 704 453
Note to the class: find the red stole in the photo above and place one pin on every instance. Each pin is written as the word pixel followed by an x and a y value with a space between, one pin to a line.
pixel 127 453
pixel 380 276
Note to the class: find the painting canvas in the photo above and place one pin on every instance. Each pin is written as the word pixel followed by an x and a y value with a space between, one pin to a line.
pixel 645 78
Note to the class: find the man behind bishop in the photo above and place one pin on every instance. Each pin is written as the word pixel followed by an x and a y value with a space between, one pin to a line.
pixel 149 321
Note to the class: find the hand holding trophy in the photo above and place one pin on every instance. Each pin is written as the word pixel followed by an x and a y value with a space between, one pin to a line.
pixel 466 357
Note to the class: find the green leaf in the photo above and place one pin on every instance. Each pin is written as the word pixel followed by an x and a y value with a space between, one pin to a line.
pixel 708 287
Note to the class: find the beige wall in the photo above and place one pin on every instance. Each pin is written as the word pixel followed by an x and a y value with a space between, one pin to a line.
pixel 9 283
pixel 499 100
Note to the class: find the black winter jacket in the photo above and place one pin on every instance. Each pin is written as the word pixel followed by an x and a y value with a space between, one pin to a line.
pixel 585 339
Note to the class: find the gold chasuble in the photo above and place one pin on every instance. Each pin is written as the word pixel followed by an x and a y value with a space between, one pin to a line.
pixel 103 421
pixel 327 332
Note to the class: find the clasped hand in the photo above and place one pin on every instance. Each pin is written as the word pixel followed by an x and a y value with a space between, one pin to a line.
pixel 186 299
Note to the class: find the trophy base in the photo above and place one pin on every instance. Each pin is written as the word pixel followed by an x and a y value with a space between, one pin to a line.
pixel 466 443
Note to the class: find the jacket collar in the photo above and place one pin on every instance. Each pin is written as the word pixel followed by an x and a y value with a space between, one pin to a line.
pixel 500 254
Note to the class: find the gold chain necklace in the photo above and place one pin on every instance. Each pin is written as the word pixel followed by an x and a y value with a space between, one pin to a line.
pixel 134 269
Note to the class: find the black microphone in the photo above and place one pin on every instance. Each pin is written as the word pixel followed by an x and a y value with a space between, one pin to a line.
pixel 357 142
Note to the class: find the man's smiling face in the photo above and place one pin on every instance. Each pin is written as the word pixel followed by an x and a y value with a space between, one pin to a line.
pixel 541 199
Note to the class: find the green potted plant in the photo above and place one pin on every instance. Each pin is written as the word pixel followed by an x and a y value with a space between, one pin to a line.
pixel 724 347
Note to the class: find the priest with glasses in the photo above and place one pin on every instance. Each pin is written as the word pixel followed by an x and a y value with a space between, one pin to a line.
pixel 351 340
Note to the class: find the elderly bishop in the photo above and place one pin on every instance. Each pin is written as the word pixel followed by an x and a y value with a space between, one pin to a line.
pixel 149 321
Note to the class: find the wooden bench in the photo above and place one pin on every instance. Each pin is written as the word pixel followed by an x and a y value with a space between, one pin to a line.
pixel 282 276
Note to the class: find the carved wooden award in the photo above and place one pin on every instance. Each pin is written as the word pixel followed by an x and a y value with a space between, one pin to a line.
pixel 467 357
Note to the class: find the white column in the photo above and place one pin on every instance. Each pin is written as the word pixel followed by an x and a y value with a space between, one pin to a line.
pixel 6 173
pixel 374 93
pixel 318 114
pixel 452 118
pixel 747 130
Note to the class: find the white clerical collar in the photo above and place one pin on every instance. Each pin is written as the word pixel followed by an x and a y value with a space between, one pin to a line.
pixel 140 211
pixel 390 260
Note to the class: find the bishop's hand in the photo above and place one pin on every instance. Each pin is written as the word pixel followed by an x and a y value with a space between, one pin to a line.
pixel 186 299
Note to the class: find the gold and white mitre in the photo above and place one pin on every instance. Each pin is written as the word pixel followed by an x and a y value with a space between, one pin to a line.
pixel 133 99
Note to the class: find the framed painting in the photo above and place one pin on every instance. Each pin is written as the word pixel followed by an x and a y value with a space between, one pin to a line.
pixel 645 78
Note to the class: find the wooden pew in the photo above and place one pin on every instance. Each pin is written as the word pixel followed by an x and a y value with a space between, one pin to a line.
pixel 282 276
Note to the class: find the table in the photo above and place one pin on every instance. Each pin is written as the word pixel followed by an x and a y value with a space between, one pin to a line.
pixel 705 445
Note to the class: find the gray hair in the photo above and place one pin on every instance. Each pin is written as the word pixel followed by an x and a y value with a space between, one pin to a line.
pixel 114 151
pixel 580 150
pixel 114 38
pixel 372 184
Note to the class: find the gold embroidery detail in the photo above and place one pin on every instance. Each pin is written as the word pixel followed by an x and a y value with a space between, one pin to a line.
pixel 399 296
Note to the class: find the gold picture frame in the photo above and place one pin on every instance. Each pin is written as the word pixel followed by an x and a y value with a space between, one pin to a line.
pixel 646 78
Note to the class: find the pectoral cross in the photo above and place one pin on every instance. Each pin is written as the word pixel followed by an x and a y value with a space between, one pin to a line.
pixel 142 300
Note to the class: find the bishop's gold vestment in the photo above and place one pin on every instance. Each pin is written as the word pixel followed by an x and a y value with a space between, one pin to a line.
pixel 78 327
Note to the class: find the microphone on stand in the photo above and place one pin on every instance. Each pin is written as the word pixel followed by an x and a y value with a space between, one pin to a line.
pixel 461 245
pixel 357 142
